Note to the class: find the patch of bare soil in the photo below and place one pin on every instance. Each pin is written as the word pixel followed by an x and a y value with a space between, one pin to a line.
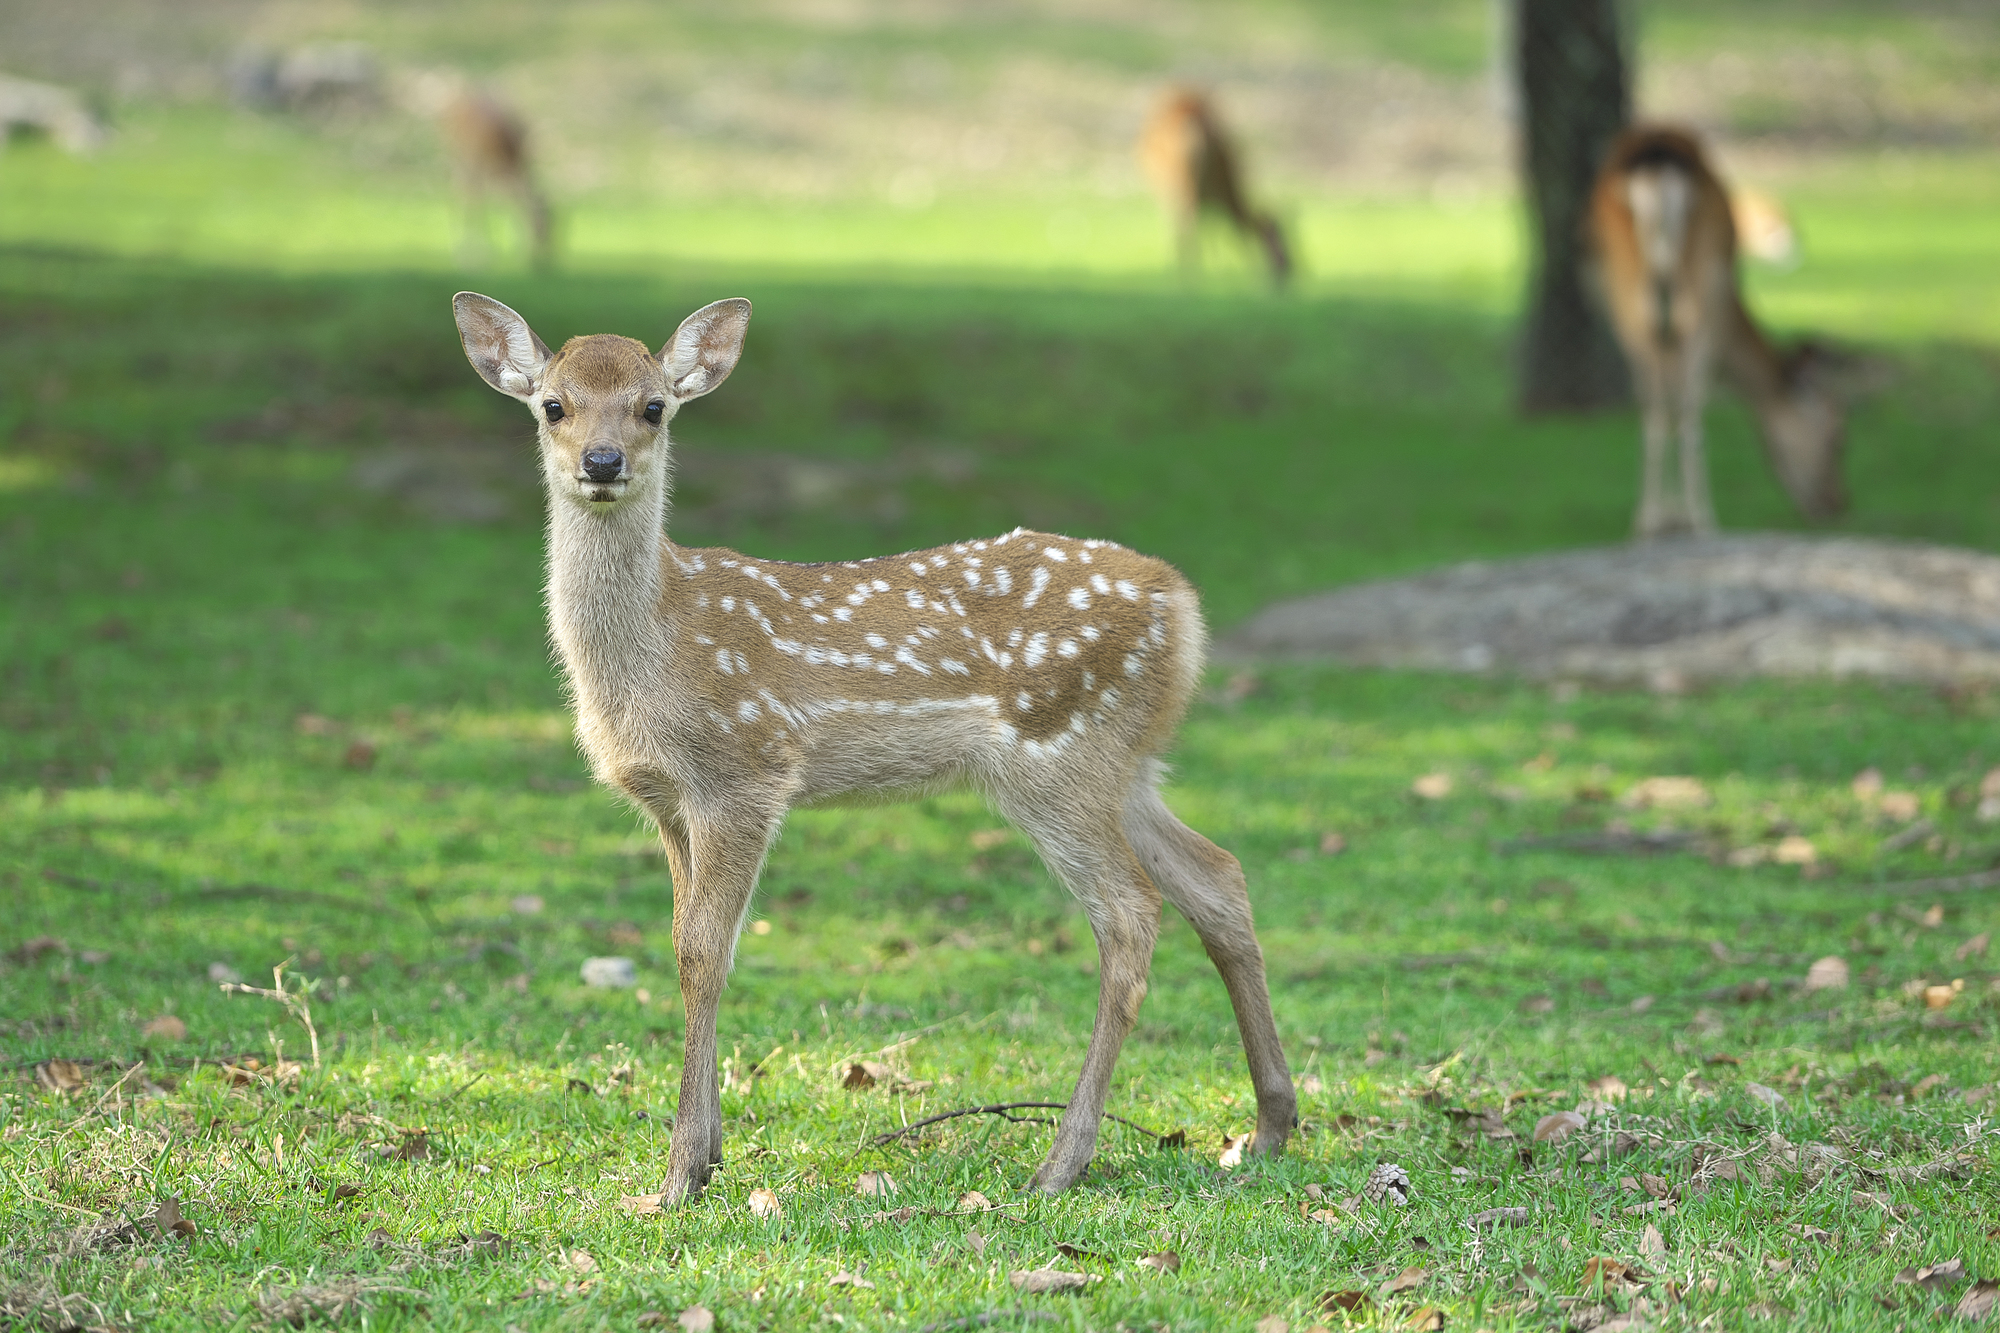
pixel 1751 605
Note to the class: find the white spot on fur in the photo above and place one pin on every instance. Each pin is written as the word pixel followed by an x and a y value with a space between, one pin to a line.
pixel 1079 598
pixel 748 711
pixel 843 613
pixel 729 603
pixel 1053 554
pixel 914 597
pixel 909 659
pixel 722 662
pixel 1089 680
pixel 1023 702
pixel 1037 651
pixel 1038 583
pixel 1090 632
pixel 1003 579
pixel 1102 584
pixel 954 667
pixel 1128 590
pixel 1133 664
pixel 875 641
pixel 880 586
pixel 1068 648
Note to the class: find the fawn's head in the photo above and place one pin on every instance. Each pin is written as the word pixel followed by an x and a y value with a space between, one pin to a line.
pixel 602 403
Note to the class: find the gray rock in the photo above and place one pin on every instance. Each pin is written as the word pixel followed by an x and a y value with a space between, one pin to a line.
pixel 1765 604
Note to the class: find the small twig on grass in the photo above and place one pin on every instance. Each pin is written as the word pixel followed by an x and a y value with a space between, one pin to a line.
pixel 1002 1109
pixel 452 1096
pixel 297 1003
pixel 1985 879
pixel 992 1317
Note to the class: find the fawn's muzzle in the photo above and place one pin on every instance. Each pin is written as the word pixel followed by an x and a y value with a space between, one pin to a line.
pixel 603 464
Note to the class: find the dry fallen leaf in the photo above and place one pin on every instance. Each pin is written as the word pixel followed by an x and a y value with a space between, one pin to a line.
pixel 166 1027
pixel 1900 805
pixel 1606 1275
pixel 972 1201
pixel 346 1190
pixel 1500 1217
pixel 1425 1319
pixel 1937 1276
pixel 1829 973
pixel 1938 997
pixel 1043 1281
pixel 1538 1004
pixel 62 1076
pixel 1653 1246
pixel 1332 844
pixel 1666 793
pixel 1557 1126
pixel 866 1074
pixel 1771 1097
pixel 1232 1150
pixel 1166 1261
pixel 167 1217
pixel 1354 1302
pixel 641 1205
pixel 581 1261
pixel 1272 1324
pixel 1974 947
pixel 1978 1303
pixel 697 1319
pixel 1408 1280
pixel 1867 784
pixel 846 1279
pixel 874 1184
pixel 1432 786
pixel 1793 850
pixel 764 1203
pixel 1610 1088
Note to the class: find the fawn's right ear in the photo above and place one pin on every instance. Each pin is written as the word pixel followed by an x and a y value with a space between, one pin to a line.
pixel 499 344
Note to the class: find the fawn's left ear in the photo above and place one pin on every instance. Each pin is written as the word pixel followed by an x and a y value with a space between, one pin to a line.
pixel 499 344
pixel 702 352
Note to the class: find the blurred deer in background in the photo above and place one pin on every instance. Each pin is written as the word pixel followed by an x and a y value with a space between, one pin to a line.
pixel 1194 167
pixel 488 145
pixel 1665 257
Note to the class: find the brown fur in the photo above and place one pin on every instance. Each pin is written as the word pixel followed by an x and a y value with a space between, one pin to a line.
pixel 717 691
pixel 1664 249
pixel 1193 166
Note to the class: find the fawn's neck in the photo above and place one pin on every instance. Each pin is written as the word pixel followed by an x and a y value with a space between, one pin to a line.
pixel 604 590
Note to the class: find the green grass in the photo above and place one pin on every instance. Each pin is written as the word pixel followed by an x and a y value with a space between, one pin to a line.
pixel 257 708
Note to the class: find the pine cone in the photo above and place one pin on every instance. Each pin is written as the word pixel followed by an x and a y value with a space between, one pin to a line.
pixel 1387 1182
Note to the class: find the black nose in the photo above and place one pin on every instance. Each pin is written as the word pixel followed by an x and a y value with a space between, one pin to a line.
pixel 603 464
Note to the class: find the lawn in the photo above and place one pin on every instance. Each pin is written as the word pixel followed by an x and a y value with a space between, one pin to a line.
pixel 274 691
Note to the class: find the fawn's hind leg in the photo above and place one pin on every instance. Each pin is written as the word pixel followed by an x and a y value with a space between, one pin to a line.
pixel 1206 884
pixel 1089 854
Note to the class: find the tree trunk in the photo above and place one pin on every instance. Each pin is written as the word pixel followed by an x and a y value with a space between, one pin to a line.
pixel 1574 100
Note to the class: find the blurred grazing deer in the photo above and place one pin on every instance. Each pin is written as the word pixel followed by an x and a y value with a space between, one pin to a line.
pixel 488 144
pixel 1664 249
pixel 1193 166
pixel 716 692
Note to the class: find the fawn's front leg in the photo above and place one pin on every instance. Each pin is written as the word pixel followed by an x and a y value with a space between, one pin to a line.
pixel 714 869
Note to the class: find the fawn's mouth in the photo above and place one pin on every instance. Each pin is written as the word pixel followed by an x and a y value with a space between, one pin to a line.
pixel 600 492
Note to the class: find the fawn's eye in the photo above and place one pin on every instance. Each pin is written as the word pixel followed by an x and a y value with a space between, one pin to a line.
pixel 552 410
pixel 654 411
